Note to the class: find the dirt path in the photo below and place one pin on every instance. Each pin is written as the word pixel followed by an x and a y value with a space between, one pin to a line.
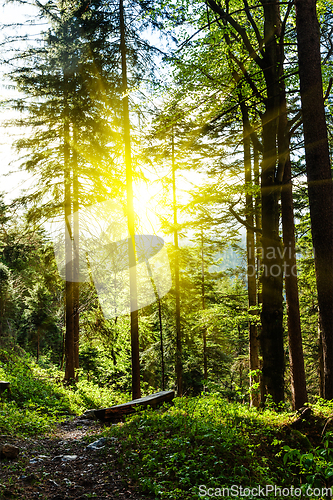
pixel 61 467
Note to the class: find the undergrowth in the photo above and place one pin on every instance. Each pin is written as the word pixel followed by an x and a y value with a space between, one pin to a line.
pixel 38 399
pixel 203 442
pixel 210 442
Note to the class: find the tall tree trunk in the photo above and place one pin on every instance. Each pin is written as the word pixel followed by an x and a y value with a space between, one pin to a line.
pixel 69 338
pixel 158 300
pixel 251 258
pixel 320 362
pixel 257 216
pixel 136 389
pixel 271 336
pixel 203 303
pixel 38 344
pixel 161 343
pixel 296 359
pixel 76 270
pixel 179 365
pixel 319 175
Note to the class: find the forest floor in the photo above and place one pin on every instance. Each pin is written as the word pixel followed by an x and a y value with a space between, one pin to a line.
pixel 167 453
pixel 61 467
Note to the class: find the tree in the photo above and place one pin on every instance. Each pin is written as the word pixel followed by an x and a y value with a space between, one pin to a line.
pixel 136 391
pixel 39 314
pixel 251 251
pixel 296 358
pixel 179 368
pixel 68 92
pixel 319 175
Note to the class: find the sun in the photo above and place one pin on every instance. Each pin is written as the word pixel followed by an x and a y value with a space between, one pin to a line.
pixel 148 206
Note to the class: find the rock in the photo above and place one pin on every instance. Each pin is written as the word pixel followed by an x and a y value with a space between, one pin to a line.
pixel 89 414
pixel 53 483
pixel 97 445
pixel 35 460
pixel 68 458
pixel 9 451
pixel 64 458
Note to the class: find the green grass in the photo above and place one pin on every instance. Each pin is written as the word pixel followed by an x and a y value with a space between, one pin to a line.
pixel 38 400
pixel 170 452
pixel 206 441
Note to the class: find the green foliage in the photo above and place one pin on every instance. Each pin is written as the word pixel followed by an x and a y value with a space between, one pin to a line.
pixel 38 400
pixel 314 467
pixel 202 440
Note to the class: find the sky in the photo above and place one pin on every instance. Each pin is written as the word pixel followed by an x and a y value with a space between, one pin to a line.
pixel 11 184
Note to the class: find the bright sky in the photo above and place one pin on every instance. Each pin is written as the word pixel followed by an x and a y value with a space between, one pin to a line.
pixel 148 196
pixel 12 185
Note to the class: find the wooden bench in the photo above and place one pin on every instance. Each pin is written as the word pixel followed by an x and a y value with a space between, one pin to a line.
pixel 4 386
pixel 117 413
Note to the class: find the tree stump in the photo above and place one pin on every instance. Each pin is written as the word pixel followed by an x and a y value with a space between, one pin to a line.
pixel 4 386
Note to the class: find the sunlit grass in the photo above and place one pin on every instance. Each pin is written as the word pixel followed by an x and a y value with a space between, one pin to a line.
pixel 38 399
pixel 202 441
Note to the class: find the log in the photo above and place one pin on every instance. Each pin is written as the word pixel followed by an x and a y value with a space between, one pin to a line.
pixel 118 412
pixel 4 386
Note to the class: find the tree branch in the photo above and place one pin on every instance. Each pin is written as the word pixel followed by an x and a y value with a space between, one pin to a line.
pixel 243 222
pixel 328 91
pixel 253 24
pixel 246 76
pixel 241 31
pixel 283 30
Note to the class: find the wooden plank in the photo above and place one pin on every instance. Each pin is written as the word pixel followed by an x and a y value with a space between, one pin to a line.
pixel 4 386
pixel 117 413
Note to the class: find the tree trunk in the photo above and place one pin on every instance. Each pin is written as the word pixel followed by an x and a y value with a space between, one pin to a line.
pixel 179 368
pixel 38 344
pixel 296 359
pixel 271 336
pixel 203 299
pixel 76 269
pixel 69 338
pixel 257 212
pixel 320 362
pixel 136 390
pixel 161 343
pixel 251 259
pixel 318 173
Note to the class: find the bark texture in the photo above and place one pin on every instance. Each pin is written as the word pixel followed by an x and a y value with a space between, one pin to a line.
pixel 318 173
pixel 296 358
pixel 179 364
pixel 251 259
pixel 136 388
pixel 76 260
pixel 69 337
pixel 271 336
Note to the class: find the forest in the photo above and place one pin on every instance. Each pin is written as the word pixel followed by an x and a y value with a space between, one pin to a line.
pixel 174 232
